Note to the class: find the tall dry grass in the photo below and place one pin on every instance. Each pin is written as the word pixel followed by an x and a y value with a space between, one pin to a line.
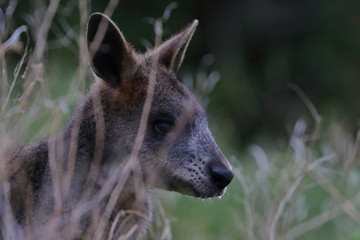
pixel 28 104
pixel 307 188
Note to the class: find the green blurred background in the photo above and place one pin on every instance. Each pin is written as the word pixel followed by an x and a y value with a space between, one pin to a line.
pixel 260 48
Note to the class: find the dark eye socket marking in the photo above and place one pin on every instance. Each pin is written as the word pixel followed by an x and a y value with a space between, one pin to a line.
pixel 163 124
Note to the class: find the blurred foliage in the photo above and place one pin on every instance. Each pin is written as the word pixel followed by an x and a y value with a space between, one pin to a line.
pixel 259 47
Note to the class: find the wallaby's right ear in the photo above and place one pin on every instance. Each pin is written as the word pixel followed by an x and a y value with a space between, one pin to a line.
pixel 109 52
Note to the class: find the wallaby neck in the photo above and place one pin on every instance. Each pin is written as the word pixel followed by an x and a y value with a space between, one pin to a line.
pixel 95 136
pixel 92 144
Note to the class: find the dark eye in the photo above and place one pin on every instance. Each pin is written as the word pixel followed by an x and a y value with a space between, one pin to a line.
pixel 163 126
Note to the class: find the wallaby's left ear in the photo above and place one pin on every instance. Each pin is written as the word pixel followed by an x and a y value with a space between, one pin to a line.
pixel 171 53
pixel 110 54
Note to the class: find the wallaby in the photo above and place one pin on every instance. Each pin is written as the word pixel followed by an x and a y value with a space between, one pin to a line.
pixel 138 128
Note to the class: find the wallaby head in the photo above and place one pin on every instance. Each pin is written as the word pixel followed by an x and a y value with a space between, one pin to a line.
pixel 178 152
pixel 138 128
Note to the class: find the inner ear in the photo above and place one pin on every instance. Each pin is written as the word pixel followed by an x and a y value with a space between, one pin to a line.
pixel 171 53
pixel 110 53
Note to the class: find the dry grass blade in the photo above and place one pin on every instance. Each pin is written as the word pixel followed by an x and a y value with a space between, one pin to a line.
pixel 319 220
pixel 280 209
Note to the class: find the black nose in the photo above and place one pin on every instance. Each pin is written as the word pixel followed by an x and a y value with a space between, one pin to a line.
pixel 221 176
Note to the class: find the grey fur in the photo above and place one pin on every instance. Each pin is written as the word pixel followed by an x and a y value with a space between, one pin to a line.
pixel 88 166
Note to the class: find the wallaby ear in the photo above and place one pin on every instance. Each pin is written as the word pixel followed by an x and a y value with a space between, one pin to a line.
pixel 171 53
pixel 109 52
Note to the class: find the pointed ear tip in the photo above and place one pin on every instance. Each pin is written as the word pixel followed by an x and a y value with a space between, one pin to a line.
pixel 192 26
pixel 97 13
pixel 97 16
pixel 194 23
